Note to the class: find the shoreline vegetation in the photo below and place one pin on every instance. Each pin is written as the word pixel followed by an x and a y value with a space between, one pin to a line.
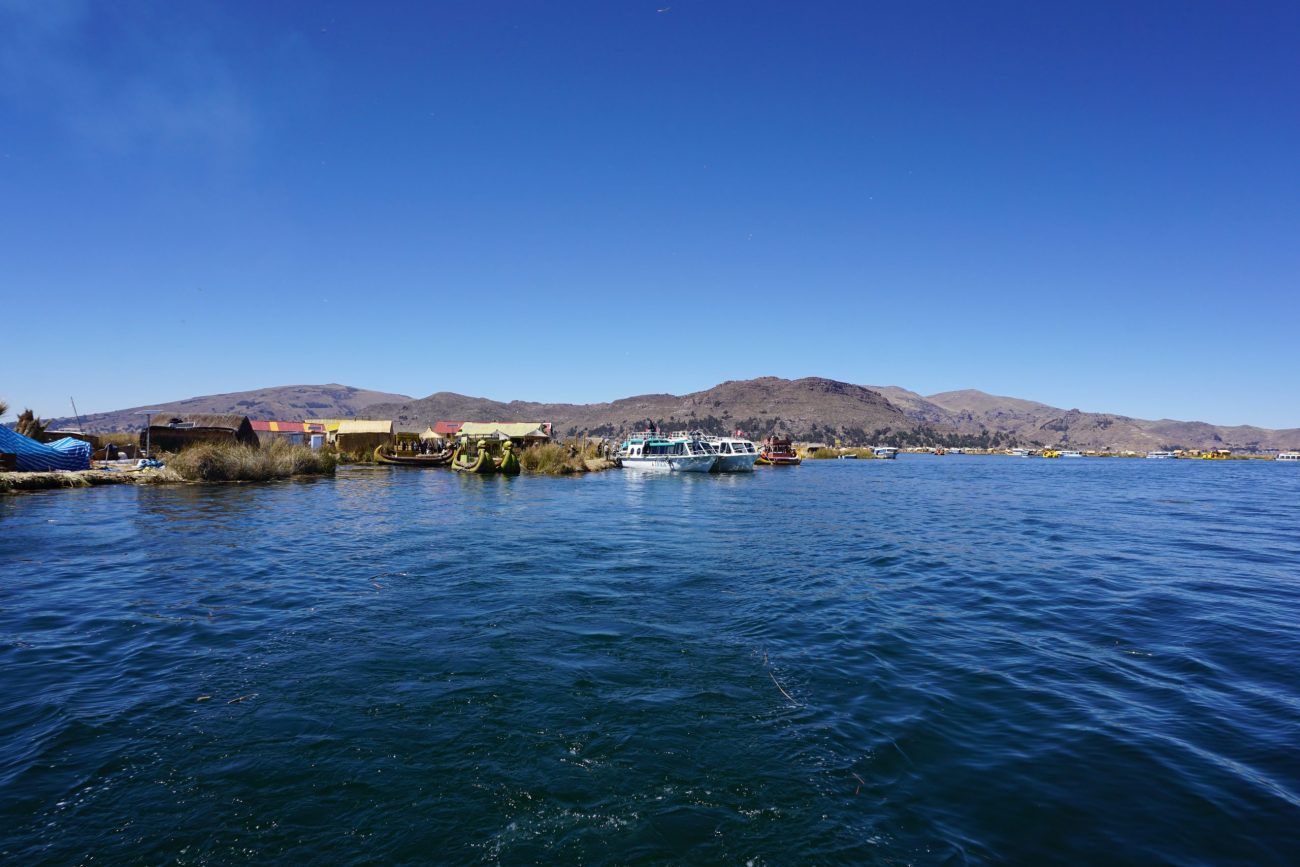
pixel 213 462
pixel 227 462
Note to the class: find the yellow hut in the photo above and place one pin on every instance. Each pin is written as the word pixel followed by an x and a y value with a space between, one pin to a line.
pixel 363 436
pixel 521 433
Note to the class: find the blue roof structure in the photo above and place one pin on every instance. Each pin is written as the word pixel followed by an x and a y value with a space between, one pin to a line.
pixel 33 457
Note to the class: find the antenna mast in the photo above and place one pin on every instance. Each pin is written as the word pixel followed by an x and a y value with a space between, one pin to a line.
pixel 81 427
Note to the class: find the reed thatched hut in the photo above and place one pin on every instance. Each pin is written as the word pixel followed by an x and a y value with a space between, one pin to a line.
pixel 173 432
pixel 360 435
pixel 521 433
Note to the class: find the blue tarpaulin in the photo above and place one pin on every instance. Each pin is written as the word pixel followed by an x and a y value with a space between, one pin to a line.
pixel 68 453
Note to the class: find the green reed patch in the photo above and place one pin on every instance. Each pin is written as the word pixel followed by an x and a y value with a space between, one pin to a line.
pixel 235 462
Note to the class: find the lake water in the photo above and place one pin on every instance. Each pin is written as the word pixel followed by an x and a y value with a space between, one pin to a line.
pixel 930 660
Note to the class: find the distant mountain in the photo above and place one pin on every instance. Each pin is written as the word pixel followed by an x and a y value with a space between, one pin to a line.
pixel 811 408
pixel 970 412
pixel 287 402
pixel 807 409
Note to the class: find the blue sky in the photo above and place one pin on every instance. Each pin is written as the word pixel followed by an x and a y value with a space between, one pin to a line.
pixel 1089 204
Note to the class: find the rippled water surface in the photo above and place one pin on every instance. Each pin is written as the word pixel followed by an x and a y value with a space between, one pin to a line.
pixel 930 660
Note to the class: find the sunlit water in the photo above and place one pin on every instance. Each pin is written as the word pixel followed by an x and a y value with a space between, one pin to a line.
pixel 930 660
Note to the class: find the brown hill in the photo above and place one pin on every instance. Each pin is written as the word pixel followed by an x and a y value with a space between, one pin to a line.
pixel 811 408
pixel 287 402
pixel 806 409
pixel 970 411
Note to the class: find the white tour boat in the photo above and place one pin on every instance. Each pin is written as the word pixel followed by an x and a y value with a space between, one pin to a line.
pixel 886 452
pixel 1071 454
pixel 1160 456
pixel 1020 453
pixel 735 455
pixel 649 451
pixel 1289 456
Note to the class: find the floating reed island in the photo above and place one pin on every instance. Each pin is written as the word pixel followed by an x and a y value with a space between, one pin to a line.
pixel 206 448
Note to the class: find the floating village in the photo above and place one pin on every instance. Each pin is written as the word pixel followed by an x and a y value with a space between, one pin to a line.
pixel 176 448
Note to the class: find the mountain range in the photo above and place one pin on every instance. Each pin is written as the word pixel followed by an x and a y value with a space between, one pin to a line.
pixel 812 408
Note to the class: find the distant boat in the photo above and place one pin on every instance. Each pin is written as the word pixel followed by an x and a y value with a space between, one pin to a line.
pixel 849 456
pixel 884 452
pixel 1289 456
pixel 1019 453
pixel 1160 456
pixel 779 452
pixel 1071 454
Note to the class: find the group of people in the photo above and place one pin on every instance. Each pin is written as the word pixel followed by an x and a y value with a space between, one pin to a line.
pixel 421 447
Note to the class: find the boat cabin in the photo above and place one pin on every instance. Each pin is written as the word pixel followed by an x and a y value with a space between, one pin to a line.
pixel 654 446
pixel 778 446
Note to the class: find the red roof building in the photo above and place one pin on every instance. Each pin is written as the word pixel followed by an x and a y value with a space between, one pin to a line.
pixel 286 427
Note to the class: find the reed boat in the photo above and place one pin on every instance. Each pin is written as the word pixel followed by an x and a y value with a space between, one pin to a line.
pixel 508 463
pixel 385 455
pixel 481 462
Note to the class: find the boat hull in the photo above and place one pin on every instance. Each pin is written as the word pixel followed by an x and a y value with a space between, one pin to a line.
pixel 508 464
pixel 735 463
pixel 481 463
pixel 670 463
pixel 399 460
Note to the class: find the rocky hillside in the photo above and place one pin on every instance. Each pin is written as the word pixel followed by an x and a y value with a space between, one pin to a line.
pixel 287 402
pixel 811 408
pixel 969 412
pixel 806 409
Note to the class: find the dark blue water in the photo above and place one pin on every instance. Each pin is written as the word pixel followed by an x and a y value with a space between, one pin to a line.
pixel 932 660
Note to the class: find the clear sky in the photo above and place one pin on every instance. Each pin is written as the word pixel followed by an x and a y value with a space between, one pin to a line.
pixel 1089 204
